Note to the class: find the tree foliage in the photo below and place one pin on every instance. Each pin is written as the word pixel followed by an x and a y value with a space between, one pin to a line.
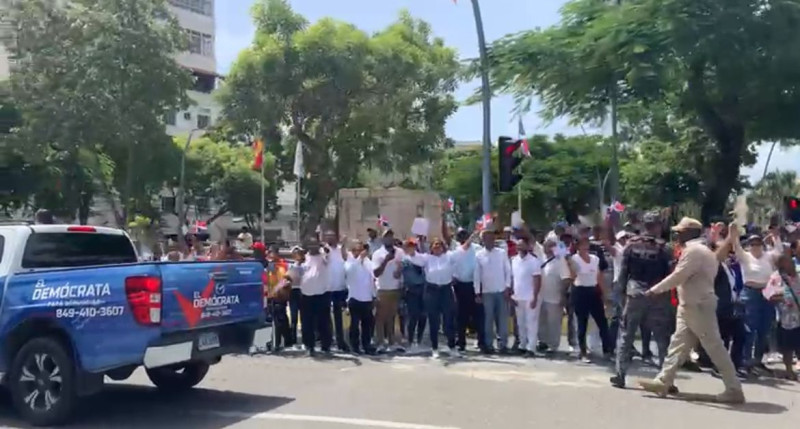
pixel 92 80
pixel 559 181
pixel 352 99
pixel 726 67
pixel 220 174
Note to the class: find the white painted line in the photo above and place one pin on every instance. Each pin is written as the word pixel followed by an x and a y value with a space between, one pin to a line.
pixel 321 419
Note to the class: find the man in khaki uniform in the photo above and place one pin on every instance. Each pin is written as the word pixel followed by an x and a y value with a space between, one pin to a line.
pixel 697 318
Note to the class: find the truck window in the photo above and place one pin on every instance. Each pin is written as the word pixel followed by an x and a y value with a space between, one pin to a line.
pixel 54 250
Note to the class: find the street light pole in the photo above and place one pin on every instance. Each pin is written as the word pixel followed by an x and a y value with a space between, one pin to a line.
pixel 181 194
pixel 486 183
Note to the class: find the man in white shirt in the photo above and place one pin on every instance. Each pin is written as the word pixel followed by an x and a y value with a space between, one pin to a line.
pixel 361 295
pixel 337 289
pixel 315 304
pixel 551 314
pixel 387 269
pixel 470 314
pixel 492 288
pixel 527 280
pixel 245 238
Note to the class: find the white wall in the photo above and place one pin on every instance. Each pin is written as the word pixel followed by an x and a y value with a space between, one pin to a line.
pixel 202 104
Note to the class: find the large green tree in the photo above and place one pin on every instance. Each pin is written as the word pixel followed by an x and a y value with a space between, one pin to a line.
pixel 730 68
pixel 561 180
pixel 352 99
pixel 220 174
pixel 92 80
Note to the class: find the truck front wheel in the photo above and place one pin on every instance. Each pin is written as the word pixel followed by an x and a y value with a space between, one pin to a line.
pixel 42 382
pixel 177 378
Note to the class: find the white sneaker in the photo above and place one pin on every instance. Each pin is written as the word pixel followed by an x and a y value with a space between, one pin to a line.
pixel 413 348
pixel 454 352
pixel 435 354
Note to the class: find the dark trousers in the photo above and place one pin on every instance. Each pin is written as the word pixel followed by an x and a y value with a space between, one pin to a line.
pixel 759 317
pixel 439 305
pixel 587 301
pixel 338 303
pixel 280 322
pixel 362 321
pixel 470 313
pixel 733 333
pixel 294 315
pixel 316 310
pixel 415 307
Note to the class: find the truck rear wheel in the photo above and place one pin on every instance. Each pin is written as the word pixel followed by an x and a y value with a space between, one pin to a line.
pixel 177 378
pixel 42 382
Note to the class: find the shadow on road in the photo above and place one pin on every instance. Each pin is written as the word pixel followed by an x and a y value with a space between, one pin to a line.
pixel 124 406
pixel 710 401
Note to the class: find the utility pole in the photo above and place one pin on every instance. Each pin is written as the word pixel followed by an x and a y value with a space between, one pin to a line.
pixel 180 201
pixel 614 137
pixel 486 183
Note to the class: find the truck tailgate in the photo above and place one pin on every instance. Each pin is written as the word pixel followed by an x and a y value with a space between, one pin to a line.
pixel 199 295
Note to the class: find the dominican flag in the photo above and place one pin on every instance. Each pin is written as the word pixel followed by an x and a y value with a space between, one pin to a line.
pixel 449 204
pixel 617 207
pixel 524 147
pixel 382 221
pixel 199 227
pixel 484 222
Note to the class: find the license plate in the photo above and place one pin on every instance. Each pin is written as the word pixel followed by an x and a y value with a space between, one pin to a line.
pixel 207 341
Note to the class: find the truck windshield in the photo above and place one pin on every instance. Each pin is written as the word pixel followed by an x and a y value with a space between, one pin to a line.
pixel 56 250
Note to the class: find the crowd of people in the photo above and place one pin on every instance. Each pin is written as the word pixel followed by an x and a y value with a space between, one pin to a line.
pixel 722 293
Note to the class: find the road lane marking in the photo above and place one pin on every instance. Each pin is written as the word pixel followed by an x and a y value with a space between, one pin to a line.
pixel 321 419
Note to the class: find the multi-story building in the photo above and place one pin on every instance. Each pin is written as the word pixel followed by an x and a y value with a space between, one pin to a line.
pixel 197 18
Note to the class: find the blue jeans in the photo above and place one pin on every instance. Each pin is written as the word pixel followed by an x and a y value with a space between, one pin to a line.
pixel 495 308
pixel 758 317
pixel 415 306
pixel 439 305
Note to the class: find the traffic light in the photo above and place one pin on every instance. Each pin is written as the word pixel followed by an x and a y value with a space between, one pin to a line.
pixel 509 161
pixel 792 208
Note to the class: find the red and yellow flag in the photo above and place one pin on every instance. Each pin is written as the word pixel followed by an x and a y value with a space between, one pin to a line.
pixel 258 154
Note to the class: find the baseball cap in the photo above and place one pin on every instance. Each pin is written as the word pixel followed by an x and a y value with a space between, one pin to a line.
pixel 622 234
pixel 687 223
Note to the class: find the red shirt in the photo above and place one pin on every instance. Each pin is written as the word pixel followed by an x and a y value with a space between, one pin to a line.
pixel 511 248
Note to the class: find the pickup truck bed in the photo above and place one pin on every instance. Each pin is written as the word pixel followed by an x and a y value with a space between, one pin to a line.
pixel 77 296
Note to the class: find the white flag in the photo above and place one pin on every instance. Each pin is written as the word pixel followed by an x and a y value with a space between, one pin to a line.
pixel 299 168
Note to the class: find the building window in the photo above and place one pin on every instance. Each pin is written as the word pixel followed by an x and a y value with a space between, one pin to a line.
pixel 204 7
pixel 168 204
pixel 171 118
pixel 201 43
pixel 203 121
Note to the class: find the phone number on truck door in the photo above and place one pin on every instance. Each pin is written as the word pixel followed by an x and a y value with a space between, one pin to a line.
pixel 110 311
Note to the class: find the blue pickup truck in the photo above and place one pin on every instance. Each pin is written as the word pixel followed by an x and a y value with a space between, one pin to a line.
pixel 77 306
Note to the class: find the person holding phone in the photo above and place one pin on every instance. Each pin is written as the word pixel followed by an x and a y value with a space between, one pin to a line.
pixel 387 269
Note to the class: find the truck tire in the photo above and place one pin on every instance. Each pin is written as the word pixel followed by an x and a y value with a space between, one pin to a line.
pixel 178 378
pixel 42 382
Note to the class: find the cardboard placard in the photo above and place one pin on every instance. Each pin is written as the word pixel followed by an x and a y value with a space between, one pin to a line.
pixel 421 226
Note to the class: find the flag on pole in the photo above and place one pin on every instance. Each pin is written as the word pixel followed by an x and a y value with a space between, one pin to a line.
pixel 258 155
pixel 524 147
pixel 484 222
pixel 450 204
pixel 299 167
pixel 382 221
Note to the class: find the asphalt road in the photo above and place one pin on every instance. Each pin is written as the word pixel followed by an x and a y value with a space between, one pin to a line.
pixel 292 391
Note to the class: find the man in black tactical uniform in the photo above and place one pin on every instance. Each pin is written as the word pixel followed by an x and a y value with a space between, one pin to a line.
pixel 645 262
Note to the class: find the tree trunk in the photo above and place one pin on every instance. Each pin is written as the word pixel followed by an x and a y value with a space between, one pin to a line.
pixel 85 207
pixel 222 210
pixel 721 179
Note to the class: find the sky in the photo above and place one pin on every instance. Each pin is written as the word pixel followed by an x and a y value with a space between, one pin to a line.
pixel 455 24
